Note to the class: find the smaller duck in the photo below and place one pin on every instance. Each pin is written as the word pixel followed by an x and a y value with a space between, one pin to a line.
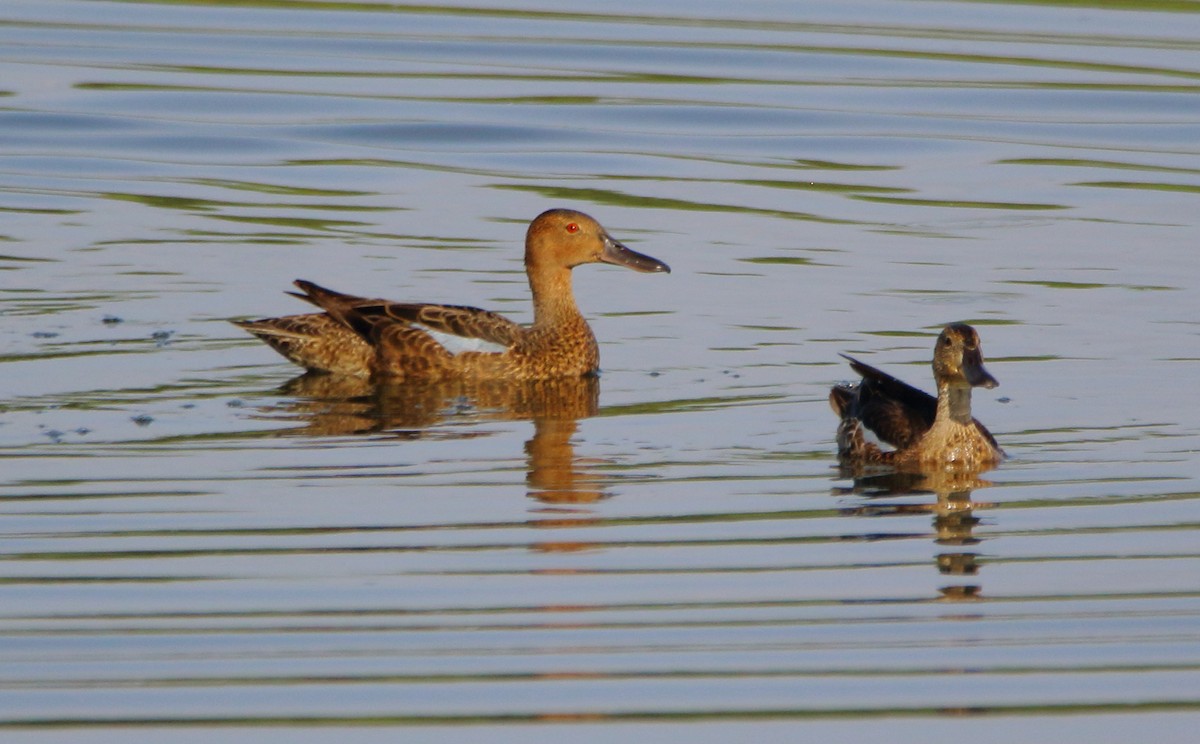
pixel 925 431
pixel 404 341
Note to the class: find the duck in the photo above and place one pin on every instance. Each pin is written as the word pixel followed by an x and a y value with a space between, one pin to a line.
pixel 411 341
pixel 924 431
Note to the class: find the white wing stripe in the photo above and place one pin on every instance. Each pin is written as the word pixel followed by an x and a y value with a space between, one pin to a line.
pixel 458 344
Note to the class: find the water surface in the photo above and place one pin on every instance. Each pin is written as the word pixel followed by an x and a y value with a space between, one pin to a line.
pixel 195 538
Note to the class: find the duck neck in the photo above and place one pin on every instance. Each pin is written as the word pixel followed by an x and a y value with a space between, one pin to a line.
pixel 954 403
pixel 553 297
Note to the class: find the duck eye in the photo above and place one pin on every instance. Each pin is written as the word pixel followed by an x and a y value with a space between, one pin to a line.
pixel 572 227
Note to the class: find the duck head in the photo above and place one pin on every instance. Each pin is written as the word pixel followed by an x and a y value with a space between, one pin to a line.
pixel 958 359
pixel 565 238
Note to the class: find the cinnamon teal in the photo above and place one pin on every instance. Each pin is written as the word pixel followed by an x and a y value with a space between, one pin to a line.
pixel 401 341
pixel 925 431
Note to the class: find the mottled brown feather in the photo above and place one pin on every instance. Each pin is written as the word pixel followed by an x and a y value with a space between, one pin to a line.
pixel 377 338
pixel 314 341
pixel 459 320
pixel 898 413
pixel 920 427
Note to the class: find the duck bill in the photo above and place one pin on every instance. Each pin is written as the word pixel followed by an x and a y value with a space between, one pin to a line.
pixel 977 376
pixel 617 254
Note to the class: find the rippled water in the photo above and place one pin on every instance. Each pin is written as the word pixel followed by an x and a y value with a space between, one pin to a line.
pixel 194 538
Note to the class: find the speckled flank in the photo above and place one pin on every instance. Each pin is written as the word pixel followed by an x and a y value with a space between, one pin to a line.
pixel 924 431
pixel 315 341
pixel 379 339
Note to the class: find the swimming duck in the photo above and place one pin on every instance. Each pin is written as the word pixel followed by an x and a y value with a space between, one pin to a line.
pixel 925 431
pixel 399 341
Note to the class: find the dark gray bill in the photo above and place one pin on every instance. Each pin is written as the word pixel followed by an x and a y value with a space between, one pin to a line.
pixel 617 254
pixel 972 367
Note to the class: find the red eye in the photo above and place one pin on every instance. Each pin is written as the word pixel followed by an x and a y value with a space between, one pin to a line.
pixel 572 227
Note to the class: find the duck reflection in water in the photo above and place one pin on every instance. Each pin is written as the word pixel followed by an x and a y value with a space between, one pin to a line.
pixel 937 447
pixel 953 513
pixel 332 405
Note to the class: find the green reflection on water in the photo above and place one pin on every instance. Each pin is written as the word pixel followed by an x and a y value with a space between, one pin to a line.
pixel 1169 6
pixel 956 203
pixel 781 260
pixel 818 186
pixel 1102 164
pixel 27 259
pixel 1176 187
pixel 190 204
pixel 618 198
pixel 273 188
pixel 1091 285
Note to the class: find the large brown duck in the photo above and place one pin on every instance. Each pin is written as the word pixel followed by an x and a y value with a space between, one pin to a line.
pixel 402 341
pixel 925 431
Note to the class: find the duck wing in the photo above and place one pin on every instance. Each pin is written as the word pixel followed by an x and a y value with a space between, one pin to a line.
pixel 315 341
pixel 896 412
pixel 460 321
pixel 451 329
